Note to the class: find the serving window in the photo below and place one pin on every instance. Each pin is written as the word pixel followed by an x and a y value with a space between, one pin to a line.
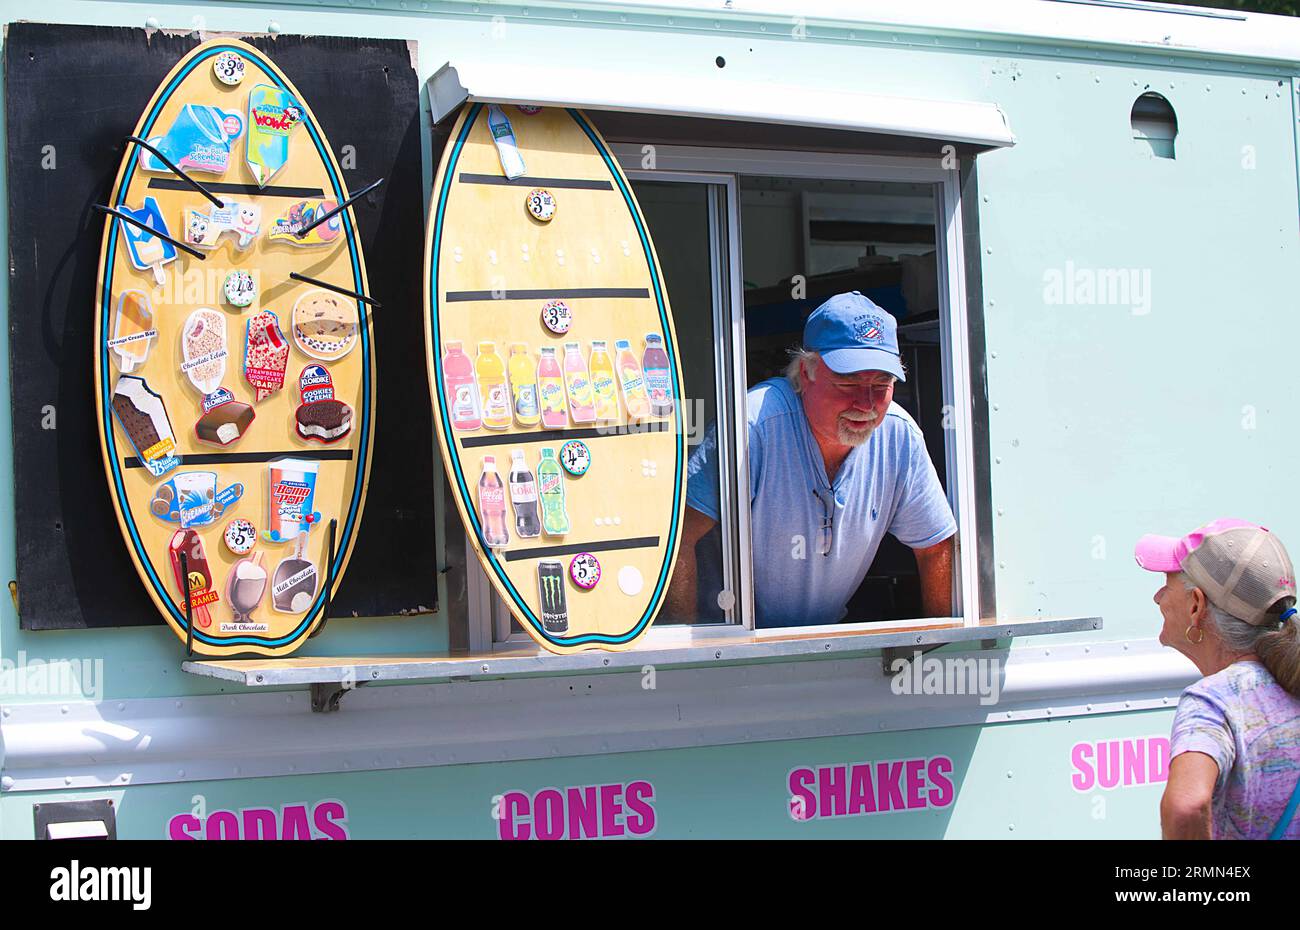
pixel 750 242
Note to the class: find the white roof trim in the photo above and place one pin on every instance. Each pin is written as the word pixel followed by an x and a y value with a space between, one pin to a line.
pixel 482 81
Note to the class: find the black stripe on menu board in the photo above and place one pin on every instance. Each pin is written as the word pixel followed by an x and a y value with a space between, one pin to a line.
pixel 243 458
pixel 172 184
pixel 571 183
pixel 572 294
pixel 563 435
pixel 638 542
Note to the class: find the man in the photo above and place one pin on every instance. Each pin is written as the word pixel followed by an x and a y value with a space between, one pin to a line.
pixel 834 464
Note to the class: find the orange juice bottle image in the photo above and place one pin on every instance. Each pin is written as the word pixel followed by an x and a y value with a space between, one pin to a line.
pixel 633 381
pixel 550 389
pixel 523 386
pixel 582 406
pixel 602 383
pixel 491 373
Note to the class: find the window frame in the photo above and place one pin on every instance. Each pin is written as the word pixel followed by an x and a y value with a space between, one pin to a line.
pixel 488 618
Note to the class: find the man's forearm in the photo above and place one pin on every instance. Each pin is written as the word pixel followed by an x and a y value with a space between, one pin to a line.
pixel 935 567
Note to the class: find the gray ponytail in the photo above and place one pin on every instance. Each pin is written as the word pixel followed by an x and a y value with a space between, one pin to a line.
pixel 1275 641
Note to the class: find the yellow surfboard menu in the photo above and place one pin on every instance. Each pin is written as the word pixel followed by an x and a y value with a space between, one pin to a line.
pixel 554 375
pixel 235 404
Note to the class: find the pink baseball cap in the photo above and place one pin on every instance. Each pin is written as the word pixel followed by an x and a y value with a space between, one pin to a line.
pixel 1242 567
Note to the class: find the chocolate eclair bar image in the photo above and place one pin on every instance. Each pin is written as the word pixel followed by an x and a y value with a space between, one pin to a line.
pixel 143 417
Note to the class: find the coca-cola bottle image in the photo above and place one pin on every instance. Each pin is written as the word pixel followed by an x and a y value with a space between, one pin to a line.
pixel 523 494
pixel 492 505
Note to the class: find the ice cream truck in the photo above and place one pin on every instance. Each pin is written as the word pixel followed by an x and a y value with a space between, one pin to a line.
pixel 276 570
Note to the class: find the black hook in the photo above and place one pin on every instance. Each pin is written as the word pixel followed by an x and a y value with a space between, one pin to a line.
pixel 339 209
pixel 175 170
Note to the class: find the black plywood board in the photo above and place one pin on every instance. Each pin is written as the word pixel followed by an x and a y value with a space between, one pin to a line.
pixel 72 94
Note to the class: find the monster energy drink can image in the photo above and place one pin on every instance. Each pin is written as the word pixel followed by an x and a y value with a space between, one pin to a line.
pixel 555 611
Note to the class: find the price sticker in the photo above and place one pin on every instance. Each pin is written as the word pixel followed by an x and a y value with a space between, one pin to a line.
pixel 541 205
pixel 585 570
pixel 557 317
pixel 575 457
pixel 229 68
pixel 240 536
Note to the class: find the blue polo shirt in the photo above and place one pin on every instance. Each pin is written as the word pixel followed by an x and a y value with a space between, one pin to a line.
pixel 886 485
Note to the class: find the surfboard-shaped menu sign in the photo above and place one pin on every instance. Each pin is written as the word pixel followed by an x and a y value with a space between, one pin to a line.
pixel 235 404
pixel 554 374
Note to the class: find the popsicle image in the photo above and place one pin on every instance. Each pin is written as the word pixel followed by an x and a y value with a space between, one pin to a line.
pixel 294 583
pixel 272 114
pixel 133 330
pixel 266 354
pixel 147 252
pixel 197 586
pixel 203 344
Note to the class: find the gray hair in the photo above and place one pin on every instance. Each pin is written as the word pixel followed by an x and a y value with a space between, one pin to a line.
pixel 799 355
pixel 1277 643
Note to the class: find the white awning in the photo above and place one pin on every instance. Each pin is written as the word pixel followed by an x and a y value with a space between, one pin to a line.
pixel 975 123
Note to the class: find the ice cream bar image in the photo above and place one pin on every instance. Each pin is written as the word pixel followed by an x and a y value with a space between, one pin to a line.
pixel 198 584
pixel 246 586
pixel 294 583
pixel 133 330
pixel 141 414
pixel 203 344
pixel 292 494
pixel 272 114
pixel 224 419
pixel 147 251
pixel 266 354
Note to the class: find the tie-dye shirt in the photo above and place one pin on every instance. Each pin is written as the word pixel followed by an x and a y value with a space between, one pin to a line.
pixel 1248 724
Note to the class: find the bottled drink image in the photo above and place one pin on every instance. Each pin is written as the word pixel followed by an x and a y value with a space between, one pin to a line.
pixel 602 383
pixel 523 494
pixel 658 379
pixel 462 392
pixel 577 382
pixel 550 488
pixel 492 389
pixel 523 386
pixel 633 382
pixel 492 505
pixel 550 388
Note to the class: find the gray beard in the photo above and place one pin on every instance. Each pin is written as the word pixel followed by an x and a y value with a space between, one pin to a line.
pixel 849 437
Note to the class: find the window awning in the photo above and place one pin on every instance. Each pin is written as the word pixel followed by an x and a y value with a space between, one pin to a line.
pixel 960 121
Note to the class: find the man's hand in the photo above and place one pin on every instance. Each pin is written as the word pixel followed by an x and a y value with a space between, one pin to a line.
pixel 682 590
pixel 935 566
pixel 1185 806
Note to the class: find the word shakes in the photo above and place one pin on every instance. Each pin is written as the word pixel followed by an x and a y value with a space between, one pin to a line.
pixel 844 790
pixel 586 812
pixel 1120 763
pixel 324 820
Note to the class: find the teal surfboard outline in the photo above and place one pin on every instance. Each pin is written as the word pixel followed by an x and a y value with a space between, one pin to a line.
pixel 444 414
pixel 107 369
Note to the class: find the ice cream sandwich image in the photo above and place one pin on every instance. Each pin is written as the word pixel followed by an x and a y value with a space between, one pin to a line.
pixel 325 325
pixel 143 417
pixel 321 416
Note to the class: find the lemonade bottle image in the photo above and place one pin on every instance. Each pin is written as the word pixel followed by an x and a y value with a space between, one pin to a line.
pixel 492 390
pixel 582 406
pixel 550 488
pixel 523 386
pixel 602 383
pixel 633 381
pixel 550 390
pixel 462 393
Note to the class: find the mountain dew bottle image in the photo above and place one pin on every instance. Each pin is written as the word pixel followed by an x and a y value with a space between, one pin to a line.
pixel 550 488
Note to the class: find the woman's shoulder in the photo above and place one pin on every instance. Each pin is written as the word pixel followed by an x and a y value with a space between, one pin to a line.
pixel 1241 682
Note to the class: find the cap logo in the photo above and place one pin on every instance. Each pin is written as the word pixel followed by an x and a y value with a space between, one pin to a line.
pixel 1287 583
pixel 869 328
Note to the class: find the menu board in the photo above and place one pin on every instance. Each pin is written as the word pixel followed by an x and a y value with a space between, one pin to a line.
pixel 554 375
pixel 235 403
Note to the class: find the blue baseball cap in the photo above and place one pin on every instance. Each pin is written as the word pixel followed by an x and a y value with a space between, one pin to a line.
pixel 852 334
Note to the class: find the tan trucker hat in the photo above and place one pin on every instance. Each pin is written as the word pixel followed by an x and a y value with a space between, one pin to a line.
pixel 1242 568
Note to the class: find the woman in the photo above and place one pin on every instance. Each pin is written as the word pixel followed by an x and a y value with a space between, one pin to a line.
pixel 1229 605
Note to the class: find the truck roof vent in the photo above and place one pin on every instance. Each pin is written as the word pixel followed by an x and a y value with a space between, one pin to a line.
pixel 1154 124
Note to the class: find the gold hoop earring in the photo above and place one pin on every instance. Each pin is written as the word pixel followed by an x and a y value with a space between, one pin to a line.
pixel 1188 634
